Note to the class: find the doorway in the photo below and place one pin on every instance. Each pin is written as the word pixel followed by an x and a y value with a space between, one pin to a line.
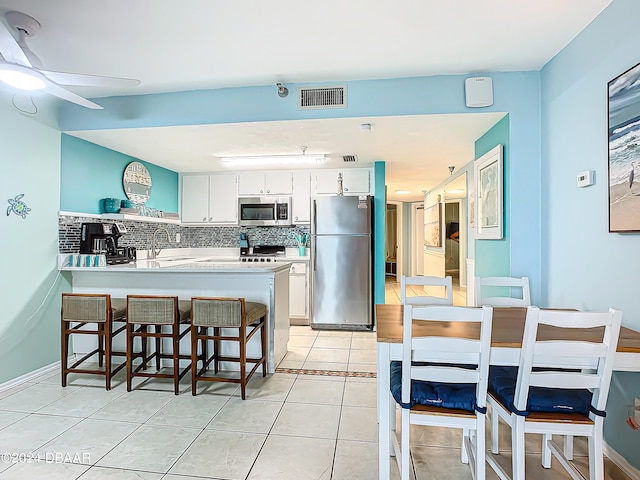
pixel 393 240
pixel 452 260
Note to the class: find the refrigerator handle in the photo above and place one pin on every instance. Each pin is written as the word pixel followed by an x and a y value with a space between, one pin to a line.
pixel 314 226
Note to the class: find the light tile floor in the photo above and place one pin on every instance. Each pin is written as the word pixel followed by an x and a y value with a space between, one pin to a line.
pixel 291 427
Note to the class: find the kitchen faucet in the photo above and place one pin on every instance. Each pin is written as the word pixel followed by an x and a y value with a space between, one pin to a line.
pixel 154 253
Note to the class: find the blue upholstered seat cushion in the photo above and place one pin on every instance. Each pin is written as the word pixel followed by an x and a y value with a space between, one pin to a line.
pixel 502 384
pixel 448 395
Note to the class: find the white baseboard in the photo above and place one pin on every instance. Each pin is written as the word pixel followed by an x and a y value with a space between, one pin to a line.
pixel 31 375
pixel 621 462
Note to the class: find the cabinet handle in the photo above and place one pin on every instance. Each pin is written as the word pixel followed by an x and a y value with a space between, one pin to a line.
pixel 204 219
pixel 268 191
pixel 211 219
pixel 261 191
pixel 296 217
pixel 346 189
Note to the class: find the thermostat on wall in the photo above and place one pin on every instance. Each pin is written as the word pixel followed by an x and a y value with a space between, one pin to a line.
pixel 585 178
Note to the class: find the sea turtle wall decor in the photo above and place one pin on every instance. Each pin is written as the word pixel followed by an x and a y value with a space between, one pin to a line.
pixel 17 206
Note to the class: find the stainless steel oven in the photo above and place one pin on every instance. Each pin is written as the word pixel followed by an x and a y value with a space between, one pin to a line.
pixel 264 211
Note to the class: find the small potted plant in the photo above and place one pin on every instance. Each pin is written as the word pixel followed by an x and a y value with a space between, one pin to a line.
pixel 301 240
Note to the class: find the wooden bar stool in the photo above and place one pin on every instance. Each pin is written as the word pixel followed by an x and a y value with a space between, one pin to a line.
pixel 166 314
pixel 221 314
pixel 82 309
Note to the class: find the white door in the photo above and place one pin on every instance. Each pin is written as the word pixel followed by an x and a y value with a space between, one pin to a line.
pixel 417 246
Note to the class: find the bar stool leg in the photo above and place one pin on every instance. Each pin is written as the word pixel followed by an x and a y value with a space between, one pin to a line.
pixel 263 337
pixel 175 330
pixel 106 331
pixel 64 351
pixel 216 349
pixel 243 362
pixel 194 358
pixel 158 330
pixel 100 344
pixel 129 366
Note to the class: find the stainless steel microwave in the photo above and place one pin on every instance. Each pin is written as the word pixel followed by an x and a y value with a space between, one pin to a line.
pixel 264 211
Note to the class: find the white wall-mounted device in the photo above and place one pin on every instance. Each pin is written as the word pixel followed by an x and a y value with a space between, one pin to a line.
pixel 478 92
pixel 586 178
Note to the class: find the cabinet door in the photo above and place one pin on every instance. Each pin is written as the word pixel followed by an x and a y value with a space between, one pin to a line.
pixel 195 198
pixel 251 183
pixel 278 183
pixel 298 291
pixel 301 199
pixel 223 198
pixel 326 181
pixel 355 181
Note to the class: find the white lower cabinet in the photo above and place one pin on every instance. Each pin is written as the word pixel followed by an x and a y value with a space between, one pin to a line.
pixel 298 294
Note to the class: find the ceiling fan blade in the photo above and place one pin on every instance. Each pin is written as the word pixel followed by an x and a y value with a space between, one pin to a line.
pixel 78 79
pixel 10 49
pixel 65 94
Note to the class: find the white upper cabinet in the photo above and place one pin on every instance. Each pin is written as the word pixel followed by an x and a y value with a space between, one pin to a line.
pixel 355 181
pixel 195 198
pixel 301 199
pixel 223 201
pixel 265 183
pixel 210 199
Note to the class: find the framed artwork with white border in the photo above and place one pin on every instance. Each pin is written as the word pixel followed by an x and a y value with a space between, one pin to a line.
pixel 489 190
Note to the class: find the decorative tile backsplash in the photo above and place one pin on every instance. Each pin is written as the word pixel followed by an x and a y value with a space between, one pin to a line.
pixel 139 235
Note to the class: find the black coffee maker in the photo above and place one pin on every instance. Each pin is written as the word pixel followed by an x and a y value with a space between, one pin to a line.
pixel 102 239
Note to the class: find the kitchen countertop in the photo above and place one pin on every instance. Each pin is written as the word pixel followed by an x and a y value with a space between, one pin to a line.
pixel 219 260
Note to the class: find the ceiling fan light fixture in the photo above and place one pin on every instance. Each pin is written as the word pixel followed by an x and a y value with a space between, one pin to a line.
pixel 265 160
pixel 20 77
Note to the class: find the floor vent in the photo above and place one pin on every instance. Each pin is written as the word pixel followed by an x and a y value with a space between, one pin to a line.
pixel 329 97
pixel 349 158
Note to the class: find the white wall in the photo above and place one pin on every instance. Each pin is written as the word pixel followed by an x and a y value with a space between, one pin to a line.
pixel 29 165
pixel 583 265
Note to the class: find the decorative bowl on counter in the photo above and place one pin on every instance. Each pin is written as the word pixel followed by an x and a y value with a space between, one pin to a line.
pixel 111 205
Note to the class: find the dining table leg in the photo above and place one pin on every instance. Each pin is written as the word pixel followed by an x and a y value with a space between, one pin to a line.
pixel 384 410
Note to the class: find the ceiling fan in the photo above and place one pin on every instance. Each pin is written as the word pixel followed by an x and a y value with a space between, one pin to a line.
pixel 22 69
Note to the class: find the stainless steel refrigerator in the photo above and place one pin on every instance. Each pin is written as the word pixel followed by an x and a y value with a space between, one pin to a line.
pixel 341 262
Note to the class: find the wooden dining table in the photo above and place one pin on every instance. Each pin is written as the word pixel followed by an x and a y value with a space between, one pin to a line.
pixel 506 341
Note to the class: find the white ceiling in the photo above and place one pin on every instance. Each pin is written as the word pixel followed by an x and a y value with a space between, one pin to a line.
pixel 199 44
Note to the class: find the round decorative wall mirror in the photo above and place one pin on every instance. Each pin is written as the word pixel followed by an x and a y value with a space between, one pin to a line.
pixel 137 183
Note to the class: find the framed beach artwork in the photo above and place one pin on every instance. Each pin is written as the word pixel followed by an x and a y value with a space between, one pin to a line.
pixel 432 221
pixel 624 151
pixel 489 195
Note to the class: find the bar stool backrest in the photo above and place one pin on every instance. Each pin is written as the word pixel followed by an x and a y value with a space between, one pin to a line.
pixel 85 308
pixel 152 310
pixel 222 312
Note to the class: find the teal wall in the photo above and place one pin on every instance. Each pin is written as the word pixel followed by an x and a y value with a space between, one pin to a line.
pixel 90 172
pixel 584 266
pixel 379 209
pixel 493 257
pixel 30 284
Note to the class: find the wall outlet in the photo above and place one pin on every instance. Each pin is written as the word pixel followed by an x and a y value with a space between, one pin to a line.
pixel 177 238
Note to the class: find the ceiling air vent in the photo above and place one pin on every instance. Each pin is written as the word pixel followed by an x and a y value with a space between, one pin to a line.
pixel 326 97
pixel 349 158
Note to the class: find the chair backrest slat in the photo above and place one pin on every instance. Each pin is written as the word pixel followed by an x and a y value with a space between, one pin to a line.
pixel 452 352
pixel 498 291
pixel 434 287
pixel 567 354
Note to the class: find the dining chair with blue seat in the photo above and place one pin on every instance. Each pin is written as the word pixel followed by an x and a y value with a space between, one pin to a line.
pixel 559 388
pixel 445 383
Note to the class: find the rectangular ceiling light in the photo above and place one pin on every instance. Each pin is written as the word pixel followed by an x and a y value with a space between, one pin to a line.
pixel 265 160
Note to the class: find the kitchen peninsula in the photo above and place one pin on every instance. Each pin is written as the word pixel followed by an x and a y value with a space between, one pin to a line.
pixel 185 277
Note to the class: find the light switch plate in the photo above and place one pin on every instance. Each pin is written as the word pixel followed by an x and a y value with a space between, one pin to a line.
pixel 585 179
pixel 177 238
